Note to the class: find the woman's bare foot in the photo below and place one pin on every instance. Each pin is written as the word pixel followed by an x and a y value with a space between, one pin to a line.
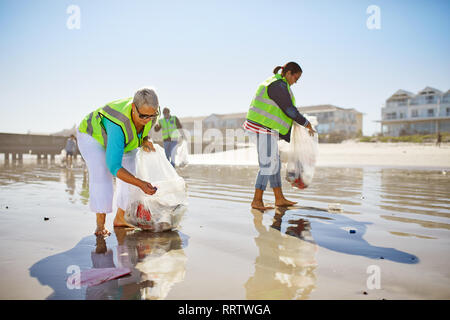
pixel 280 200
pixel 260 205
pixel 119 220
pixel 101 230
pixel 284 203
pixel 257 202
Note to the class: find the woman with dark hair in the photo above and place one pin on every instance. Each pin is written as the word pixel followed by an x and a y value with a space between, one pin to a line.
pixel 270 117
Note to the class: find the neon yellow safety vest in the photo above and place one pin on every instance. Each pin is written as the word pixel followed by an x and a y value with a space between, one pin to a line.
pixel 119 112
pixel 169 128
pixel 266 112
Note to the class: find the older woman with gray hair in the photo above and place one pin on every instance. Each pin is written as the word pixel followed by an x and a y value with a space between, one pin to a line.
pixel 108 139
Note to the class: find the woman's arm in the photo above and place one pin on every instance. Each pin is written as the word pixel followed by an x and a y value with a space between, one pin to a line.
pixel 279 93
pixel 114 153
pixel 126 176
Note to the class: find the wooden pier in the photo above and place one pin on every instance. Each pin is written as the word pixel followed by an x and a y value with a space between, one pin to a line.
pixel 43 146
pixel 14 146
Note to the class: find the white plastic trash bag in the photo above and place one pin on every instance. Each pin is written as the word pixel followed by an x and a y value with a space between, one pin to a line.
pixel 181 158
pixel 302 156
pixel 283 150
pixel 164 209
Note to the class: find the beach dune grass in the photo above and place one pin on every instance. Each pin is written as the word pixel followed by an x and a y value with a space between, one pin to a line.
pixel 415 138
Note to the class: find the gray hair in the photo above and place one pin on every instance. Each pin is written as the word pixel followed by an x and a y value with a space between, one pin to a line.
pixel 146 96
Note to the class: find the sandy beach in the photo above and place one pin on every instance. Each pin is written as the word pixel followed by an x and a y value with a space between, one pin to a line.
pixel 393 216
pixel 350 154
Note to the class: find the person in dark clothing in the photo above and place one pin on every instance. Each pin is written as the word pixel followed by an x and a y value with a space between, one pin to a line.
pixel 71 149
pixel 270 117
pixel 170 134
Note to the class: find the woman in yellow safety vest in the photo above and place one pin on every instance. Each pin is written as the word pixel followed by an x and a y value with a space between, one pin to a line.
pixel 108 139
pixel 270 117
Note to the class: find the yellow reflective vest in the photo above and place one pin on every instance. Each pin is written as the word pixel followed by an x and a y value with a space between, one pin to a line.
pixel 119 112
pixel 266 112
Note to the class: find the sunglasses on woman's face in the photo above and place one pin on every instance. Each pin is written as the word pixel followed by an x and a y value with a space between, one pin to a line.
pixel 147 116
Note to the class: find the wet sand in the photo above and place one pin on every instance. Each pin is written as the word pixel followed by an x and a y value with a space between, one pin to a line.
pixel 225 250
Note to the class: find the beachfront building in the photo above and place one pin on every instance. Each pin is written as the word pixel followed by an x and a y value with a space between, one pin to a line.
pixel 225 121
pixel 188 124
pixel 426 112
pixel 334 120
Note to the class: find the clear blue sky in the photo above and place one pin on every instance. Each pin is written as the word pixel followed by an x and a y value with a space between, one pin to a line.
pixel 208 57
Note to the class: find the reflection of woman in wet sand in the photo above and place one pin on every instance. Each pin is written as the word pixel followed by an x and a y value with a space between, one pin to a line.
pixel 270 117
pixel 157 261
pixel 285 266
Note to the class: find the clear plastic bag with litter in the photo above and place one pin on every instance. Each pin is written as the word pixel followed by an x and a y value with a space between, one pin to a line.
pixel 181 158
pixel 302 155
pixel 164 209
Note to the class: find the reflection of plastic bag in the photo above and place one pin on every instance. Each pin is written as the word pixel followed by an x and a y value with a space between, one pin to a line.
pixel 181 158
pixel 302 157
pixel 164 209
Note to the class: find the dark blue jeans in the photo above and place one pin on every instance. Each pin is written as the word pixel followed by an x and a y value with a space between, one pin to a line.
pixel 171 150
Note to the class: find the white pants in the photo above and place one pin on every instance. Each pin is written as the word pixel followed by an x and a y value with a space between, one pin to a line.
pixel 101 191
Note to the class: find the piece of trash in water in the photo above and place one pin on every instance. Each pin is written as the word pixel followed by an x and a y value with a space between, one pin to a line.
pixel 444 172
pixel 334 207
pixel 381 257
pixel 95 276
pixel 46 218
pixel 352 231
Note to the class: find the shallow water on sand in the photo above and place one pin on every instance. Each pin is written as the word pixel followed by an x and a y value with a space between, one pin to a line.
pixel 393 221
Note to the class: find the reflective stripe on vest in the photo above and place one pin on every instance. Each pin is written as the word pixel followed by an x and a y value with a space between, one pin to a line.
pixel 266 112
pixel 123 118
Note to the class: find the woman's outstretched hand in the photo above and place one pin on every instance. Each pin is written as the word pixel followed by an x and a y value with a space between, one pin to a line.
pixel 147 187
pixel 148 146
pixel 311 130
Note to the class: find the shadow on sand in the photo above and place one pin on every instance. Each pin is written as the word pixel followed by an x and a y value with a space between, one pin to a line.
pixel 332 231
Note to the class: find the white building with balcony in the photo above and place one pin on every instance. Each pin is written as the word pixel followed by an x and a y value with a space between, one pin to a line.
pixel 426 112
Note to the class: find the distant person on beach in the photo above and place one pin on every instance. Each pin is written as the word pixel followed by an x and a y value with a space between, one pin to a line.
pixel 270 117
pixel 108 139
pixel 71 149
pixel 170 134
pixel 438 139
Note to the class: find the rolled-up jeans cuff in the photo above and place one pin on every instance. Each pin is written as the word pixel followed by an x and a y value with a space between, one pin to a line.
pixel 260 187
pixel 275 185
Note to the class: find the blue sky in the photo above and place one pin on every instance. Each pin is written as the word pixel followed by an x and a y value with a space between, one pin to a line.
pixel 208 57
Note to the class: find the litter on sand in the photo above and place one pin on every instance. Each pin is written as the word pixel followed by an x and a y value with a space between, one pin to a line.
pixel 334 208
pixel 96 276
